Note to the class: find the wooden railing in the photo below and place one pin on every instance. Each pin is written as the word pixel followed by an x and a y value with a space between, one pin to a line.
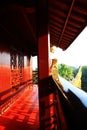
pixel 52 115
pixel 65 108
pixel 60 110
pixel 77 119
pixel 8 97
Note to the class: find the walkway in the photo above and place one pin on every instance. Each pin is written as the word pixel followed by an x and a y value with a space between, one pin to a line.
pixel 24 114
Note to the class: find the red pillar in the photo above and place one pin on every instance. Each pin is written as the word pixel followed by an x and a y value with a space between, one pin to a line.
pixel 45 96
pixel 43 56
pixel 43 40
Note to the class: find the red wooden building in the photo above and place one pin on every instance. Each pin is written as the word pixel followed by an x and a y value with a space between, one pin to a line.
pixel 28 28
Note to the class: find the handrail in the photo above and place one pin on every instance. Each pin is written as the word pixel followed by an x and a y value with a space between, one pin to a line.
pixel 49 88
pixel 65 111
pixel 75 113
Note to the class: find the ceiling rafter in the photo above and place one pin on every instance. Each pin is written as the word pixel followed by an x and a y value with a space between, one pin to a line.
pixel 58 4
pixel 60 25
pixel 28 24
pixel 57 12
pixel 56 18
pixel 74 24
pixel 67 36
pixel 67 18
pixel 57 33
pixel 12 36
pixel 80 10
pixel 64 19
pixel 67 32
pixel 56 28
pixel 78 18
pixel 71 28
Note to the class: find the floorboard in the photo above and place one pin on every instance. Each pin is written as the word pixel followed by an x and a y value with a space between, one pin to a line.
pixel 24 114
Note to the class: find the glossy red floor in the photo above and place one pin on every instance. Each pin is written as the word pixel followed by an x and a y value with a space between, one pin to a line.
pixel 24 114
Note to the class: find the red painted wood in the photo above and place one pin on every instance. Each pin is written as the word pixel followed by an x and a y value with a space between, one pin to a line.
pixel 8 97
pixel 43 40
pixel 4 70
pixel 0 76
pixel 24 114
pixel 27 73
pixel 5 78
pixel 8 77
pixel 43 57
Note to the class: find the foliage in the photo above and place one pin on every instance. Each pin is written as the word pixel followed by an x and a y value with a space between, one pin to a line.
pixel 35 76
pixel 84 78
pixel 75 71
pixel 65 71
pixel 69 73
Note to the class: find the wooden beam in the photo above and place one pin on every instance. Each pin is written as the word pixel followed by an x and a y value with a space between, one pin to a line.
pixel 67 18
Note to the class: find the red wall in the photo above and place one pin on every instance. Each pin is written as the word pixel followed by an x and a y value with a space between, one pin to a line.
pixel 15 70
pixel 6 73
pixel 27 68
pixel 4 69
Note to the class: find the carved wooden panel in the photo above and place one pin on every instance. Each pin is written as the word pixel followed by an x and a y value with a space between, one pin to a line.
pixel 17 66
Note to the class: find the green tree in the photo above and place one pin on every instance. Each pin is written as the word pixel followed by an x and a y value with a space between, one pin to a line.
pixel 65 71
pixel 84 78
pixel 35 76
pixel 75 70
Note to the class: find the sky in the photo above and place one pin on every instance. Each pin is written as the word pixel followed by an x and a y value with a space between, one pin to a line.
pixel 74 55
pixel 34 62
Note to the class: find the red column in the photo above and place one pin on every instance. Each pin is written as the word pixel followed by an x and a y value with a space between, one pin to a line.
pixel 31 69
pixel 45 97
pixel 43 56
pixel 43 40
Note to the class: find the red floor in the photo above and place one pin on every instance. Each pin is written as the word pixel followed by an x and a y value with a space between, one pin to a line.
pixel 24 114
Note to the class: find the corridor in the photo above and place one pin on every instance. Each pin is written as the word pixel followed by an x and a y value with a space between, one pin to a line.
pixel 24 114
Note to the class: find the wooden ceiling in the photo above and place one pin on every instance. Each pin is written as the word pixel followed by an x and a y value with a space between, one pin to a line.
pixel 67 18
pixel 18 25
pixel 18 22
